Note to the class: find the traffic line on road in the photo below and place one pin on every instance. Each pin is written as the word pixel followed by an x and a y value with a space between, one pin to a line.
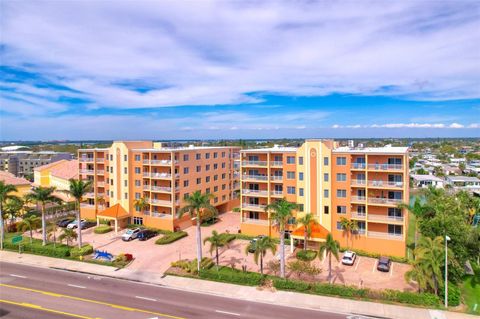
pixel 76 286
pixel 18 276
pixel 145 298
pixel 48 293
pixel 38 307
pixel 228 313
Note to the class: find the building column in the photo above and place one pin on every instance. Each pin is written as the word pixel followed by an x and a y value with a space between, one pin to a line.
pixel 98 222
pixel 291 244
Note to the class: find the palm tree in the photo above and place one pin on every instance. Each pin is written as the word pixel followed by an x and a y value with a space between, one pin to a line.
pixel 196 205
pixel 43 196
pixel 281 212
pixel 349 227
pixel 13 208
pixel 307 221
pixel 78 189
pixel 68 235
pixel 30 223
pixel 216 241
pixel 141 203
pixel 6 191
pixel 428 264
pixel 52 232
pixel 330 247
pixel 262 246
pixel 418 209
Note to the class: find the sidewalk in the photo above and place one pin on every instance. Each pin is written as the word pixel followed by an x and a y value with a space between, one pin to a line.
pixel 292 299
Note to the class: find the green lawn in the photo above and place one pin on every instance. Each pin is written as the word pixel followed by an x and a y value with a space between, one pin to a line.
pixel 471 291
pixel 411 233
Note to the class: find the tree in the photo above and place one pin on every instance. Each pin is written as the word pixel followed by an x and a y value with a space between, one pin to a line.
pixel 261 247
pixel 418 209
pixel 216 241
pixel 43 196
pixel 274 266
pixel 307 221
pixel 196 205
pixel 141 204
pixel 13 208
pixel 6 191
pixel 78 189
pixel 52 232
pixel 280 213
pixel 68 235
pixel 30 224
pixel 300 267
pixel 329 247
pixel 349 227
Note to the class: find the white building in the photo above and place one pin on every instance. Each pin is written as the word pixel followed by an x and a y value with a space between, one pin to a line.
pixel 423 181
pixel 464 183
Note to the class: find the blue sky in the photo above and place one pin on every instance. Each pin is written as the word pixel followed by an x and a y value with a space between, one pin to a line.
pixel 228 69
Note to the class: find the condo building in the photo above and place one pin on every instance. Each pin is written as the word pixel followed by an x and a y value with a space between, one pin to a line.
pixel 362 184
pixel 163 176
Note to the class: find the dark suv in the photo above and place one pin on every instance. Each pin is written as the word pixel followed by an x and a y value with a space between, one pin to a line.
pixel 253 243
pixel 145 234
pixel 384 264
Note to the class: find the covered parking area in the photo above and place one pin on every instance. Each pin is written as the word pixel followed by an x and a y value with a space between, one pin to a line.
pixel 318 234
pixel 116 213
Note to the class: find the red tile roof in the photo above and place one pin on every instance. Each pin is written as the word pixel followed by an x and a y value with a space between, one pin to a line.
pixel 66 169
pixel 9 178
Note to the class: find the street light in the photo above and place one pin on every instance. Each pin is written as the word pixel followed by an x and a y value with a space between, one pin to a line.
pixel 446 271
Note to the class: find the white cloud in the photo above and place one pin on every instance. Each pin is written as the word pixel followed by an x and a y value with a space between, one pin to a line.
pixel 411 125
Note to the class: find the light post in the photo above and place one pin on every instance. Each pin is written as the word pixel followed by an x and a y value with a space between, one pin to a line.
pixel 446 270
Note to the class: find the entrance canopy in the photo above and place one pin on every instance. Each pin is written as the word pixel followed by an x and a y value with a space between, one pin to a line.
pixel 116 213
pixel 318 233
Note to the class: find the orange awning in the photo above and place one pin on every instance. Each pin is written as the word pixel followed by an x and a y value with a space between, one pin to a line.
pixel 318 232
pixel 116 211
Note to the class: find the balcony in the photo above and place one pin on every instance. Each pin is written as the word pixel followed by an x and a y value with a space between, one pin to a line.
pixel 160 215
pixel 262 178
pixel 100 160
pixel 384 201
pixel 359 199
pixel 101 184
pixel 254 192
pixel 276 163
pixel 86 159
pixel 276 179
pixel 100 172
pixel 160 202
pixel 146 213
pixel 86 171
pixel 85 205
pixel 159 175
pixel 384 184
pixel 358 166
pixel 358 182
pixel 375 234
pixel 276 193
pixel 253 221
pixel 254 163
pixel 385 167
pixel 89 195
pixel 359 216
pixel 385 218
pixel 254 207
pixel 162 162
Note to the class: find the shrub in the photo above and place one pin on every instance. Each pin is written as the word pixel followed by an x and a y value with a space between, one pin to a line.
pixel 160 231
pixel 104 221
pixel 85 250
pixel 454 295
pixel 226 274
pixel 337 290
pixel 421 299
pixel 306 255
pixel 120 261
pixel 60 251
pixel 274 266
pixel 102 229
pixel 191 266
pixel 293 285
pixel 171 237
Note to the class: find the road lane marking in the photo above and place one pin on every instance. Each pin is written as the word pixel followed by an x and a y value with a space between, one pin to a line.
pixel 228 313
pixel 32 306
pixel 358 263
pixel 48 293
pixel 145 298
pixel 18 276
pixel 76 286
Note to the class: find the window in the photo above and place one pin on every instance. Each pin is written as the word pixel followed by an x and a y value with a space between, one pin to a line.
pixel 199 168
pixel 300 191
pixel 215 166
pixel 215 177
pixel 326 210
pixel 224 176
pixel 125 170
pixel 125 158
pixel 185 183
pixel 224 186
pixel 341 209
pixel 223 154
pixel 137 158
pixel 207 179
pixel 290 175
pixel 111 169
pixel 199 180
pixel 325 161
pixel 223 165
pixel 185 157
pixel 111 157
pixel 137 182
pixel 300 176
pixel 207 190
pixel 111 183
pixel 137 170
pixel 137 220
pixel 341 177
pixel 207 167
pixel 185 170
pixel 300 207
pixel 325 193
pixel 290 190
pixel 290 159
pixel 342 193
pixel 215 200
pixel 224 197
pixel 137 195
pixel 215 189
pixel 341 161
pixel 395 230
pixel 111 193
pixel 339 226
pixel 325 177
pixel 300 160
pixel 215 155
pixel 198 156
pixel 185 196
pixel 395 213
pixel 207 155
pixel 126 195
pixel 125 183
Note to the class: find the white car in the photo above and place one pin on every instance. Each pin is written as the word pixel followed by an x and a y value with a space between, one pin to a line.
pixel 130 234
pixel 349 258
pixel 74 224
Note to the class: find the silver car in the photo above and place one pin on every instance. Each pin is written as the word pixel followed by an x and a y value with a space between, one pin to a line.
pixel 130 234
pixel 349 258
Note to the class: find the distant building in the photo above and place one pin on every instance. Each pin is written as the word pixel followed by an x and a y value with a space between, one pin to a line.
pixel 23 186
pixel 22 163
pixel 423 181
pixel 57 174
pixel 464 183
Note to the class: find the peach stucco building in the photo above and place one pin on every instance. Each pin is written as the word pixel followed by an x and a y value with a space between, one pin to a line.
pixel 130 170
pixel 362 184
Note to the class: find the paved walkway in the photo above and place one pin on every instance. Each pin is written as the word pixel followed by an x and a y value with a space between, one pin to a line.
pixel 322 303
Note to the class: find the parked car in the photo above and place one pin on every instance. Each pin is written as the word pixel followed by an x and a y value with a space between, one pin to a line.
pixel 64 222
pixel 251 246
pixel 145 234
pixel 130 234
pixel 74 224
pixel 384 264
pixel 88 224
pixel 349 258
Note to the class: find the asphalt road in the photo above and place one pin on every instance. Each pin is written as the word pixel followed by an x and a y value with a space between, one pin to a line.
pixel 31 292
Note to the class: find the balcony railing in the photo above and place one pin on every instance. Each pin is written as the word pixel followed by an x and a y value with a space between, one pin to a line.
pixel 358 182
pixel 101 184
pixel 359 166
pixel 255 177
pixel 385 218
pixel 85 205
pixel 146 213
pixel 160 202
pixel 254 163
pixel 86 171
pixel 385 167
pixel 160 175
pixel 276 178
pixel 276 193
pixel 385 184
pixel 100 172
pixel 385 201
pixel 163 189
pixel 262 222
pixel 253 206
pixel 90 195
pixel 276 163
pixel 359 199
pixel 86 159
pixel 254 192
pixel 375 234
pixel 161 215
pixel 358 215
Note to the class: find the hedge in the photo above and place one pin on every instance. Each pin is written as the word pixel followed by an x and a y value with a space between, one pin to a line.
pixel 159 231
pixel 229 275
pixel 85 250
pixel 454 294
pixel 60 251
pixel 171 237
pixel 247 237
pixel 102 229
pixel 306 255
